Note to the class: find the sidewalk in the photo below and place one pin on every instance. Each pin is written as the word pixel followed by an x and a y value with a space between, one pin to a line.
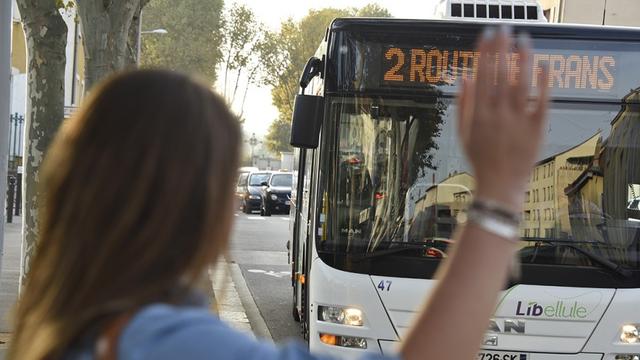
pixel 9 278
pixel 234 302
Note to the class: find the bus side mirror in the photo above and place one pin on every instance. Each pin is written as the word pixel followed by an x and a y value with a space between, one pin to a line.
pixel 307 120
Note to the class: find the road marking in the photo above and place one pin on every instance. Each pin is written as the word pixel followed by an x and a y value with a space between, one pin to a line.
pixel 255 218
pixel 276 274
pixel 285 218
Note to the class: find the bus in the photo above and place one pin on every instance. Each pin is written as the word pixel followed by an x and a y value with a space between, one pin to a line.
pixel 381 182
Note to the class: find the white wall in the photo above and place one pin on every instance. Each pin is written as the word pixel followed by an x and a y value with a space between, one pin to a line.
pixel 617 12
pixel 583 12
pixel 16 13
pixel 69 19
pixel 18 92
pixel 623 13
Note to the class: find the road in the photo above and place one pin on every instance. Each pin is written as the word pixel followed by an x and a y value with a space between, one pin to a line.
pixel 258 247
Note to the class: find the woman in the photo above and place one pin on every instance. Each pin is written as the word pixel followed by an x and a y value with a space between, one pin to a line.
pixel 138 203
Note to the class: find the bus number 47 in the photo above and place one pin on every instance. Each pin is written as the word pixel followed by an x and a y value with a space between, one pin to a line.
pixel 384 285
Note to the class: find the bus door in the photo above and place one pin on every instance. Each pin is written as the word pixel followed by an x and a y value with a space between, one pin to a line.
pixel 301 236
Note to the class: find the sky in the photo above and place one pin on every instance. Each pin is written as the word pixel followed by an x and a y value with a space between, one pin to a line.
pixel 259 111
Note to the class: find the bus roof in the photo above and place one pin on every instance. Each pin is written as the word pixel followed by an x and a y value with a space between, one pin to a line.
pixel 577 31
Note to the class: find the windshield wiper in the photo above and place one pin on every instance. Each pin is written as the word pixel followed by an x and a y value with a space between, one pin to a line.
pixel 604 262
pixel 395 250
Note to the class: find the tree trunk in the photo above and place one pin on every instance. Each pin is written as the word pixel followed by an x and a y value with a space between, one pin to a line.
pixel 106 25
pixel 134 42
pixel 46 34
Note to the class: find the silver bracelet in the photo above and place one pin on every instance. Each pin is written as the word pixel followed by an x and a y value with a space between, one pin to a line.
pixel 495 220
pixel 496 209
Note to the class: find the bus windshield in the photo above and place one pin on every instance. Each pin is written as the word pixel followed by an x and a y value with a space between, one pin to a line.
pixel 399 179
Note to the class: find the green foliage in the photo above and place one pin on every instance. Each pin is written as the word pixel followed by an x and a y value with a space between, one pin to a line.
pixel 193 39
pixel 288 50
pixel 243 38
pixel 372 10
pixel 285 53
pixel 65 5
pixel 277 138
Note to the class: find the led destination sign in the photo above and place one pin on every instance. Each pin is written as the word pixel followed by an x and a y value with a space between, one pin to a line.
pixel 578 70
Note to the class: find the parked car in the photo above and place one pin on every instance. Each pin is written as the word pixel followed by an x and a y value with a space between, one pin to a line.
pixel 249 190
pixel 276 193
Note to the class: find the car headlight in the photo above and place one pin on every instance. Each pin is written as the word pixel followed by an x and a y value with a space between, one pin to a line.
pixel 630 334
pixel 340 315
pixel 274 197
pixel 254 197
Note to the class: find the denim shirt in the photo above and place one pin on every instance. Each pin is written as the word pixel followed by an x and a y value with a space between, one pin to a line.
pixel 163 332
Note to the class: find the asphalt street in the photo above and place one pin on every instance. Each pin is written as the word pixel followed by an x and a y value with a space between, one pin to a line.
pixel 258 246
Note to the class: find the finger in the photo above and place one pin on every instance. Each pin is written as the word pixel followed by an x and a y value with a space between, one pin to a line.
pixel 539 114
pixel 503 46
pixel 521 92
pixel 484 88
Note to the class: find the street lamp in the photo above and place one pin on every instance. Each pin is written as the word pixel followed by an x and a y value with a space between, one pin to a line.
pixel 154 31
pixel 253 141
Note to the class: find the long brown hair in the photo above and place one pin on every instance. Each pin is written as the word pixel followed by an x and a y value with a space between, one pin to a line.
pixel 137 200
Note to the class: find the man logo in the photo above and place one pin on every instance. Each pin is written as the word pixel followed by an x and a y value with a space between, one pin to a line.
pixel 490 340
pixel 509 326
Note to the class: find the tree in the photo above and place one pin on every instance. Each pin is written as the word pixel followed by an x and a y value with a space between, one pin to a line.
pixel 193 26
pixel 243 38
pixel 372 10
pixel 105 26
pixel 287 51
pixel 46 34
pixel 133 39
pixel 277 138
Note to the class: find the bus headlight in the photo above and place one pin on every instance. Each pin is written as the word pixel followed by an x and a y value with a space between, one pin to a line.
pixel 627 357
pixel 630 334
pixel 340 315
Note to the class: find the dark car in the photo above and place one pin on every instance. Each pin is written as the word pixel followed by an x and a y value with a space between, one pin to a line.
pixel 249 190
pixel 276 194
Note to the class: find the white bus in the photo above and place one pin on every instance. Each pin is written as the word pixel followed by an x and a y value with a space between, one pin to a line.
pixel 382 183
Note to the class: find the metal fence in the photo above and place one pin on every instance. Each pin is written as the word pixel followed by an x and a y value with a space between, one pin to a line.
pixel 16 131
pixel 14 196
pixel 14 177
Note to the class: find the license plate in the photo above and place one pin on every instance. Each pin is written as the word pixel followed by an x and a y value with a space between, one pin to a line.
pixel 287 202
pixel 499 355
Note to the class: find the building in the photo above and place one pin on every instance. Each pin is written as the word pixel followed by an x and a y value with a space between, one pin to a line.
pixel 18 100
pixel 546 205
pixel 594 12
pixel 603 200
pixel 440 207
pixel 266 162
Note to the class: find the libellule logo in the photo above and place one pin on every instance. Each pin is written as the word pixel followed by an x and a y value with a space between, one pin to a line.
pixel 558 310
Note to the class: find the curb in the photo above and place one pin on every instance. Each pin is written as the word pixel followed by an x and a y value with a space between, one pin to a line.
pixel 258 324
pixel 4 344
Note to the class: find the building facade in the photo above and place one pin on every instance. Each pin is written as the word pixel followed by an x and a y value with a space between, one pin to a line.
pixel 594 12
pixel 546 205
